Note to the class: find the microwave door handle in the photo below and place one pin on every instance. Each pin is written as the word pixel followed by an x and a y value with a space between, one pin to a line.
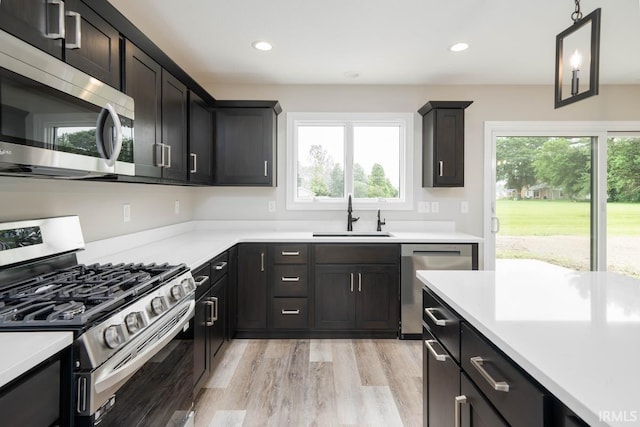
pixel 108 110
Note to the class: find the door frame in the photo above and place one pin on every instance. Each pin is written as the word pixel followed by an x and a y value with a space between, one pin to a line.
pixel 598 129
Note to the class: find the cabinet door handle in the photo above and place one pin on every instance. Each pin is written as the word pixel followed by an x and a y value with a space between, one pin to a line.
pixel 351 276
pixel 290 279
pixel 220 265
pixel 261 261
pixel 359 282
pixel 209 322
pixel 477 363
pixel 459 401
pixel 439 357
pixel 169 155
pixel 266 166
pixel 438 322
pixel 194 156
pixel 294 253
pixel 214 313
pixel 201 280
pixel 441 168
pixel 60 34
pixel 77 20
pixel 290 312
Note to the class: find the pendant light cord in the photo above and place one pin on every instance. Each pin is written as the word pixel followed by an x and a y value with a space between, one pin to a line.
pixel 577 14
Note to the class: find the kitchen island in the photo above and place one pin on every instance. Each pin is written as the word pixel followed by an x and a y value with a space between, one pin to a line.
pixel 575 333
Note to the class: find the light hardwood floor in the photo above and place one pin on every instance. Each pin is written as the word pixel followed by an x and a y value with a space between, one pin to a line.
pixel 317 382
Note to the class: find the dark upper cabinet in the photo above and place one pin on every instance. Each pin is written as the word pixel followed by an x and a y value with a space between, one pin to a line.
pixel 38 22
pixel 251 291
pixel 443 143
pixel 174 128
pixel 92 44
pixel 160 132
pixel 200 140
pixel 245 143
pixel 143 82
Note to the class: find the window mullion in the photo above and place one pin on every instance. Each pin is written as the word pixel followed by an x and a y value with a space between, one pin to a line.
pixel 348 159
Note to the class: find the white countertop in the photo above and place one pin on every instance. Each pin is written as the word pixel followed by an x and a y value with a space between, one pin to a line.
pixel 21 351
pixel 197 242
pixel 576 333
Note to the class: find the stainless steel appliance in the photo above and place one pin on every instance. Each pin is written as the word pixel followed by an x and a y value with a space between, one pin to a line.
pixel 427 257
pixel 58 121
pixel 133 345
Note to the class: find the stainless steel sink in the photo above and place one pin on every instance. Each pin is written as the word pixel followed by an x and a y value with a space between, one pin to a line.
pixel 352 234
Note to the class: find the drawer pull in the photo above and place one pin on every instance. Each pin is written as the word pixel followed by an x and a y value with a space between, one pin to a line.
pixel 289 279
pixel 201 280
pixel 439 357
pixel 438 322
pixel 460 400
pixel 290 312
pixel 293 253
pixel 221 265
pixel 496 385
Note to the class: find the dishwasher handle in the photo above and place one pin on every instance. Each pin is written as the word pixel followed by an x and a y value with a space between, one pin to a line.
pixel 438 253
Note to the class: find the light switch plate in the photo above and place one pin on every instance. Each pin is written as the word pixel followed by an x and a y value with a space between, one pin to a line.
pixel 464 207
pixel 423 207
pixel 272 205
pixel 126 212
pixel 176 207
pixel 435 207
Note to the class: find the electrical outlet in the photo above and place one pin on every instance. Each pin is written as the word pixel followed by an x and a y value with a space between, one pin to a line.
pixel 435 207
pixel 272 206
pixel 464 207
pixel 423 207
pixel 176 207
pixel 126 212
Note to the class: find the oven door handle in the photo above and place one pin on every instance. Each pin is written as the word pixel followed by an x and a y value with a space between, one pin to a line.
pixel 110 375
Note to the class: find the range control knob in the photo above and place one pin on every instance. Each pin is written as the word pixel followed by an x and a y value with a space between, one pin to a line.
pixel 134 322
pixel 189 284
pixel 177 292
pixel 112 336
pixel 157 305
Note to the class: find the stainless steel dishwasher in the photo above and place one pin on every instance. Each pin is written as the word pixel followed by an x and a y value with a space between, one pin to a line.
pixel 435 256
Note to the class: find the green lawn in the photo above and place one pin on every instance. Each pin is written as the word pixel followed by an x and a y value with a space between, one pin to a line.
pixel 554 217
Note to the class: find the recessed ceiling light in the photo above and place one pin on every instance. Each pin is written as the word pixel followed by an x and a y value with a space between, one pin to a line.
pixel 262 45
pixel 459 47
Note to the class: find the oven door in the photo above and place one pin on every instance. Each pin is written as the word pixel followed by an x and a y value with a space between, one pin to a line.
pixel 58 121
pixel 148 383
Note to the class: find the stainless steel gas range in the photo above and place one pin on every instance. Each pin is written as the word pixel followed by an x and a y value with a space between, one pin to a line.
pixel 133 345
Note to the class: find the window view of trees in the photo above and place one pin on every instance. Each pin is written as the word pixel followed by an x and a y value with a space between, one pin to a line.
pixel 83 141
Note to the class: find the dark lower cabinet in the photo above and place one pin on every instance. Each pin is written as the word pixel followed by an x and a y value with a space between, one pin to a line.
pixel 441 383
pixel 37 22
pixel 210 318
pixel 475 409
pixel 92 44
pixel 356 297
pixel 252 287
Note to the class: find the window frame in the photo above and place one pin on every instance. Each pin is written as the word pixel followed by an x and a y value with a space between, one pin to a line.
pixel 349 120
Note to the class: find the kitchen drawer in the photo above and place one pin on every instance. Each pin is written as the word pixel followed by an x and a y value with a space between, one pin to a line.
pixel 476 410
pixel 442 323
pixel 357 254
pixel 518 399
pixel 290 281
pixel 219 266
pixel 290 313
pixel 290 254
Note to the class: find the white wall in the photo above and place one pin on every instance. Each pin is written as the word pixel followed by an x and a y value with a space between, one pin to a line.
pixel 491 103
pixel 100 204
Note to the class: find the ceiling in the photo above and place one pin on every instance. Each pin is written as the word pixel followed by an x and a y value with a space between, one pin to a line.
pixel 403 42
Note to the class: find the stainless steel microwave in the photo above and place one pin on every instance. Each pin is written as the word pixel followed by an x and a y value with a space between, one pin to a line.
pixel 58 121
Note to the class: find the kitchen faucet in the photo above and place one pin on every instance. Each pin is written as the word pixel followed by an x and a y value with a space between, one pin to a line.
pixel 350 218
pixel 380 223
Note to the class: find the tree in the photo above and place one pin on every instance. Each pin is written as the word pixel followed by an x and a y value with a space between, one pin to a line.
pixel 336 184
pixel 360 181
pixel 379 184
pixel 514 160
pixel 623 169
pixel 565 164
